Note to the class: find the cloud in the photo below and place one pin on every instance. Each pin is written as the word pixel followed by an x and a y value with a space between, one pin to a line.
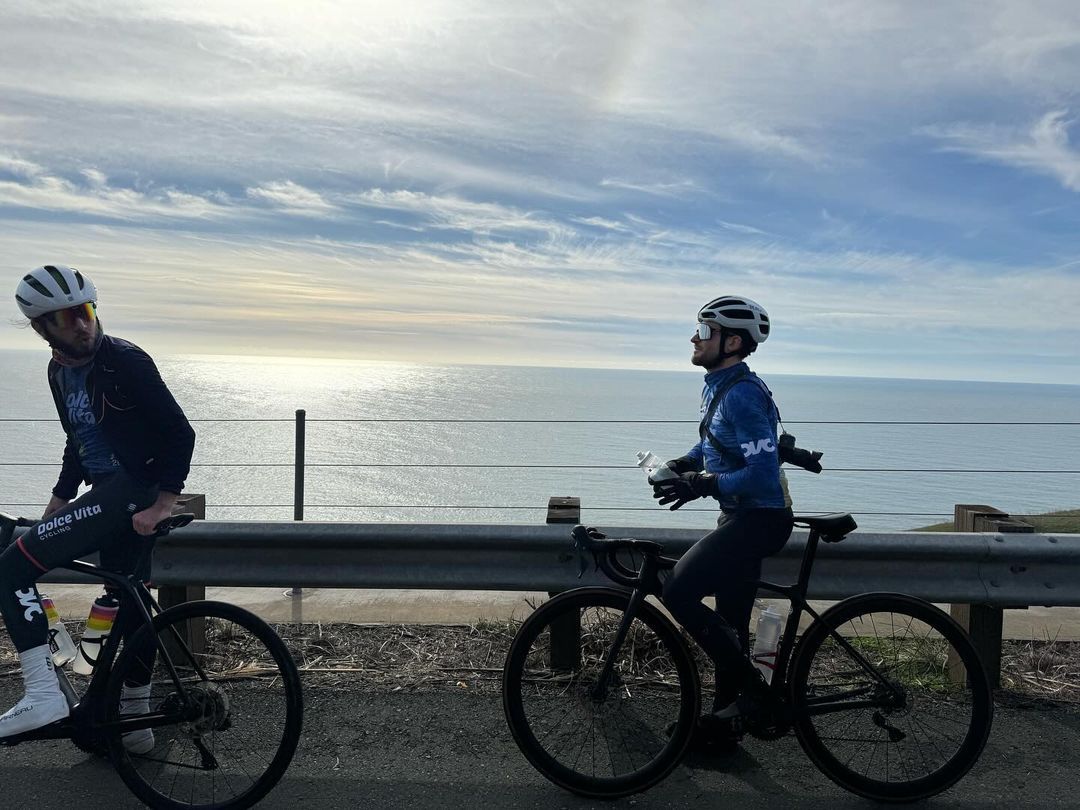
pixel 292 198
pixel 33 187
pixel 661 189
pixel 508 168
pixel 739 228
pixel 18 168
pixel 451 211
pixel 1042 148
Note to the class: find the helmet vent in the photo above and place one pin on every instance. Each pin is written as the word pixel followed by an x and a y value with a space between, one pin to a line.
pixel 37 286
pixel 58 277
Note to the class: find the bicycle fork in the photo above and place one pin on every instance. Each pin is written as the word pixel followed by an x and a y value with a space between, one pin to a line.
pixel 599 690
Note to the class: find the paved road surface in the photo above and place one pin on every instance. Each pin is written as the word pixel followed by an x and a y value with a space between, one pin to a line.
pixel 450 749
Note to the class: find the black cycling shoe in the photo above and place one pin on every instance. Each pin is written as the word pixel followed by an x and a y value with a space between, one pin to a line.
pixel 714 735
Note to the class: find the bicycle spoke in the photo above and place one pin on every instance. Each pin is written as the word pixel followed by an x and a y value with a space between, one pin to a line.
pixel 235 740
pixel 922 724
pixel 577 735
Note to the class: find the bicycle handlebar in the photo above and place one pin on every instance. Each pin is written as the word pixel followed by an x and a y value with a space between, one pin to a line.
pixel 8 525
pixel 585 539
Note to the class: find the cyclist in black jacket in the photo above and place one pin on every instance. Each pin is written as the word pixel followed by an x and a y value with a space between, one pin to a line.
pixel 128 438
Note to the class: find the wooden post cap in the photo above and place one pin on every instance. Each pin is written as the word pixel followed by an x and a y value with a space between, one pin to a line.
pixel 564 510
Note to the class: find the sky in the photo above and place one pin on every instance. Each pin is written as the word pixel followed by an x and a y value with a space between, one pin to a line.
pixel 555 183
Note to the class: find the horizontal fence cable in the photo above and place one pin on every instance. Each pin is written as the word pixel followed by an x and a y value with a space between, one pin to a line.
pixel 615 420
pixel 580 467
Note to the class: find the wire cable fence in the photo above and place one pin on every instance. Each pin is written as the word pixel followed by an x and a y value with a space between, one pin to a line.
pixel 300 463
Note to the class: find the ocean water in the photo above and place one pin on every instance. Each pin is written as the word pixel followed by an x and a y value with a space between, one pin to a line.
pixel 379 437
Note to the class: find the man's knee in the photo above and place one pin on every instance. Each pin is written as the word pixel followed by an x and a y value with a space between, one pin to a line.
pixel 17 572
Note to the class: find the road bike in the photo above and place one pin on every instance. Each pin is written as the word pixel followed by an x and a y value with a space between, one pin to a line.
pixel 885 692
pixel 225 705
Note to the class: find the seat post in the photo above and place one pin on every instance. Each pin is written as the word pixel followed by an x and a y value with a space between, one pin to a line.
pixel 808 560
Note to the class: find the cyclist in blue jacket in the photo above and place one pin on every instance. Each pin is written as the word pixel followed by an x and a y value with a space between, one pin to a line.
pixel 736 462
pixel 127 438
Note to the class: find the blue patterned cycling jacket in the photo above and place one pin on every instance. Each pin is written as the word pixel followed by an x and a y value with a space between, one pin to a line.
pixel 744 423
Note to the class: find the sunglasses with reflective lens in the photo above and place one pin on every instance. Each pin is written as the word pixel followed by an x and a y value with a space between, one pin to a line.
pixel 704 331
pixel 64 318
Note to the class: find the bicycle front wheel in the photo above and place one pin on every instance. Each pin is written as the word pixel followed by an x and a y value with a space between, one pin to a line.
pixel 600 739
pixel 222 738
pixel 898 708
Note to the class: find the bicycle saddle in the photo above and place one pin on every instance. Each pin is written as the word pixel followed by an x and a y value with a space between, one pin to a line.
pixel 832 528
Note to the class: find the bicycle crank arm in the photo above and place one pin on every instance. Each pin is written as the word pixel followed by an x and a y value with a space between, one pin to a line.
pixel 60 730
pixel 895 734
pixel 209 761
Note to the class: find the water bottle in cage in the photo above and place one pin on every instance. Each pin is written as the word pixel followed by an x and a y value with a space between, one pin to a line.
pixel 766 642
pixel 98 626
pixel 60 643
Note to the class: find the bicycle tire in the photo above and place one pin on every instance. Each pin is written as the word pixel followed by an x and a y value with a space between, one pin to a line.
pixel 246 672
pixel 655 695
pixel 898 749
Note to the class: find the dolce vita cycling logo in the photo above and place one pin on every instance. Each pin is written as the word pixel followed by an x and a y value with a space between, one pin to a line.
pixel 62 523
pixel 761 445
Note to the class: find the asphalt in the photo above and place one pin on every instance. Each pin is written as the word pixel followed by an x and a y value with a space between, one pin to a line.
pixel 450 748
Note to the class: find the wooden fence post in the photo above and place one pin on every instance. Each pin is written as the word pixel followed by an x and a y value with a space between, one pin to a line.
pixel 566 630
pixel 983 623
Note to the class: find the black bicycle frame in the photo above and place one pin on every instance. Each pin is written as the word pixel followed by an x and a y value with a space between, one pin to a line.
pixel 796 596
pixel 644 581
pixel 83 711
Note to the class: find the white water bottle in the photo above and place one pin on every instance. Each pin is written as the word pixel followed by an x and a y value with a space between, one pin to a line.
pixel 654 467
pixel 766 642
pixel 98 626
pixel 60 643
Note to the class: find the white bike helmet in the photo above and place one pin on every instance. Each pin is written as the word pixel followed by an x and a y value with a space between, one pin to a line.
pixel 52 287
pixel 735 312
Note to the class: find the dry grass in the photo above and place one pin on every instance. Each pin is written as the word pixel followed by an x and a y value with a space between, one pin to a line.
pixel 410 657
pixel 1046 669
pixel 400 656
pixel 471 657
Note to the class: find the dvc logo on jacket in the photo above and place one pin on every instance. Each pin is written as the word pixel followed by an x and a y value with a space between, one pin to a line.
pixel 761 445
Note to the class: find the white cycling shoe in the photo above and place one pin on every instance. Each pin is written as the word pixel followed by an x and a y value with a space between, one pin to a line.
pixel 43 702
pixel 136 700
pixel 139 742
pixel 33 712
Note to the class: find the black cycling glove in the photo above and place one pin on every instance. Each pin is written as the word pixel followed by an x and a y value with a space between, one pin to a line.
pixel 683 464
pixel 687 487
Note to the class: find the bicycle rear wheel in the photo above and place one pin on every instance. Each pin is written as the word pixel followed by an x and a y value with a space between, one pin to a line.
pixel 240 729
pixel 615 742
pixel 898 711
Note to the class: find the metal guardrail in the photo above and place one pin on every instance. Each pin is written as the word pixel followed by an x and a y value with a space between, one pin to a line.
pixel 1001 569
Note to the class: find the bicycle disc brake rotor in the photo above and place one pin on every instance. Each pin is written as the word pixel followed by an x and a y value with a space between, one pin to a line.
pixel 209 710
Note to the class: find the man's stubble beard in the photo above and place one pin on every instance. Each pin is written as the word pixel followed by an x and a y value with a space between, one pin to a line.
pixel 73 352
